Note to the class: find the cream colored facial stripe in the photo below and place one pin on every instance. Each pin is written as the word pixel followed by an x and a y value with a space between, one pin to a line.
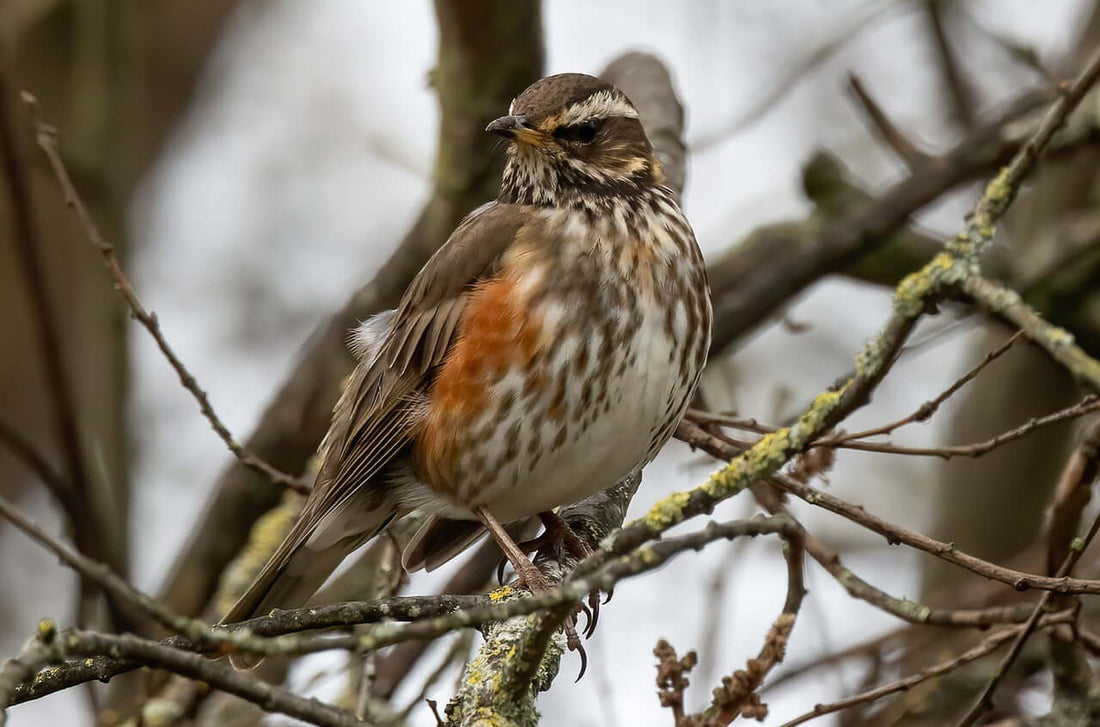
pixel 600 105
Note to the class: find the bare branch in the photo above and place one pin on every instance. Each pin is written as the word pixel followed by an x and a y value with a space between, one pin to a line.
pixel 1087 405
pixel 796 71
pixel 908 151
pixel 959 91
pixel 1073 477
pixel 46 137
pixel 926 410
pixel 101 575
pixel 984 648
pixel 55 647
pixel 894 533
pixel 737 696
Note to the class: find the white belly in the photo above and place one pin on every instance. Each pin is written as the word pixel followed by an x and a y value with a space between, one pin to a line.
pixel 600 438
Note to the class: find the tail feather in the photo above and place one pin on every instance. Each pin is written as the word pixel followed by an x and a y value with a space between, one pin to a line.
pixel 289 587
pixel 305 560
pixel 437 541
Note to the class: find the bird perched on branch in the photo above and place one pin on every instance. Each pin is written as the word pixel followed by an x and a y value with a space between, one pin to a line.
pixel 547 351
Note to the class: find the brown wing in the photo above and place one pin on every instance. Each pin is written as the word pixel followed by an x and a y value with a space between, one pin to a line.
pixel 428 315
pixel 382 400
pixel 382 403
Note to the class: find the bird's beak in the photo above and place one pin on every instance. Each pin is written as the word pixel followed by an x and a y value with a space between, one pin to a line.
pixel 515 128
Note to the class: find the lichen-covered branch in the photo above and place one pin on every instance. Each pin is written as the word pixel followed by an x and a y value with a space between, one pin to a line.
pixel 490 689
pixel 496 608
pixel 398 608
pixel 50 645
pixel 1006 303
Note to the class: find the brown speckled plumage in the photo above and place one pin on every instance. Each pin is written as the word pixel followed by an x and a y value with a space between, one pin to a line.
pixel 547 351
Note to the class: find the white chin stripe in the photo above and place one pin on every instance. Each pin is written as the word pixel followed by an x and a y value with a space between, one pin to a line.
pixel 600 105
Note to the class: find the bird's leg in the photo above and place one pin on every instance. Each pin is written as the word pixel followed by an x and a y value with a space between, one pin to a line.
pixel 529 574
pixel 558 529
pixel 559 534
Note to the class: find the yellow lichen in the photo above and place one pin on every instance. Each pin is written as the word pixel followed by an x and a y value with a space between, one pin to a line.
pixel 1060 337
pixel 823 405
pixel 47 629
pixel 667 512
pixel 915 288
pixel 998 189
pixel 500 594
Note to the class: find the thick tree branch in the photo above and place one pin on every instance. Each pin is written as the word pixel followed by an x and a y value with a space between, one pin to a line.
pixel 776 262
pixel 77 496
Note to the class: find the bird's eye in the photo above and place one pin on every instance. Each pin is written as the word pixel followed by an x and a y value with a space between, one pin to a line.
pixel 583 133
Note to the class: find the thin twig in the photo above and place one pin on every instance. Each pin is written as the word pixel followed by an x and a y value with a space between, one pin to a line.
pixel 1060 543
pixel 959 91
pixel 926 410
pixel 46 137
pixel 456 653
pixel 895 534
pixel 905 609
pixel 1087 405
pixel 909 152
pixel 796 71
pixel 101 575
pixel 985 647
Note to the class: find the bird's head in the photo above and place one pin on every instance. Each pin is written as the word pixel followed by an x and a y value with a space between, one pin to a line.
pixel 571 135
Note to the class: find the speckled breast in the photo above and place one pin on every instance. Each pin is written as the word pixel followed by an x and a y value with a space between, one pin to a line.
pixel 572 367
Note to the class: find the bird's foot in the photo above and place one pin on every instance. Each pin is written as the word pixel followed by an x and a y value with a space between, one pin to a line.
pixel 560 535
pixel 536 581
pixel 558 530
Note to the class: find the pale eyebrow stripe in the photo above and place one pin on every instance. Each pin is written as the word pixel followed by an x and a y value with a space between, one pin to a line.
pixel 602 104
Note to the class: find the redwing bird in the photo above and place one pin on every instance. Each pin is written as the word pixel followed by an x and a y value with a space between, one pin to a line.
pixel 546 352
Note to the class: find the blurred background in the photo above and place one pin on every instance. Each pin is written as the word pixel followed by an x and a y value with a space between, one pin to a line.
pixel 257 162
